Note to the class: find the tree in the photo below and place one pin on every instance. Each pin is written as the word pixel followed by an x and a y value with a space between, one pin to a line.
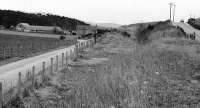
pixel 8 18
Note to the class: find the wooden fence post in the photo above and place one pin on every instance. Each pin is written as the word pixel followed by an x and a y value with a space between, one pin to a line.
pixel 62 60
pixel 77 45
pixel 93 42
pixel 11 51
pixel 87 44
pixel 75 53
pixel 81 46
pixel 66 58
pixel 33 76
pixel 1 95
pixel 70 54
pixel 4 52
pixel 51 72
pixel 43 71
pixel 90 43
pixel 19 84
pixel 8 54
pixel 76 50
pixel 57 63
pixel 27 75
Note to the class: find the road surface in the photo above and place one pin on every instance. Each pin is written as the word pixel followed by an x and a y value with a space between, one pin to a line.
pixel 188 29
pixel 9 72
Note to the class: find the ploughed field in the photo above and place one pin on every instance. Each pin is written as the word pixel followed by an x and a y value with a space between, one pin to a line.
pixel 15 46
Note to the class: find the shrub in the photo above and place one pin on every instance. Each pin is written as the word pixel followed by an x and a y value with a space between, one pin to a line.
pixel 150 27
pixel 73 33
pixel 126 34
pixel 62 37
pixel 141 34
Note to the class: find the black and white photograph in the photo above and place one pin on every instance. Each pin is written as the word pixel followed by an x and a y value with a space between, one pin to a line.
pixel 99 54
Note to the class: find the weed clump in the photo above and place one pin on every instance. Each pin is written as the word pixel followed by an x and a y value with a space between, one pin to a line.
pixel 126 34
pixel 142 33
pixel 16 102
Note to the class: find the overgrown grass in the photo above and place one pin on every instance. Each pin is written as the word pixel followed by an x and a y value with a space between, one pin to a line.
pixel 157 75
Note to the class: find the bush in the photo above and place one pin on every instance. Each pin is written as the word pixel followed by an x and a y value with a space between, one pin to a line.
pixel 62 37
pixel 181 30
pixel 141 34
pixel 126 34
pixel 73 33
pixel 150 27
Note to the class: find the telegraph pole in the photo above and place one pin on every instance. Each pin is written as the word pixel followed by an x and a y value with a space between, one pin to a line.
pixel 95 35
pixel 170 11
pixel 174 12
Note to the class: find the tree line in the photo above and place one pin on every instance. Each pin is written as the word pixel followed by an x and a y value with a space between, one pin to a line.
pixel 194 22
pixel 10 18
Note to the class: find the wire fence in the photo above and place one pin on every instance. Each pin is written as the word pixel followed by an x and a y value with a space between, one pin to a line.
pixel 14 82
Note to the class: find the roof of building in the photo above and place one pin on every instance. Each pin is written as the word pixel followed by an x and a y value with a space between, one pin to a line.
pixel 45 28
pixel 42 28
pixel 23 24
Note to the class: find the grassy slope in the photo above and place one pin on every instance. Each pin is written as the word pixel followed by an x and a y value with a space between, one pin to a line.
pixel 153 75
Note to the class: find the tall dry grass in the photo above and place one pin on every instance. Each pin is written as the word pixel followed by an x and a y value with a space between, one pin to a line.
pixel 147 76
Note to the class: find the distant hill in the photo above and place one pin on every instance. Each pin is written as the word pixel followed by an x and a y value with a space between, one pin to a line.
pixel 12 18
pixel 107 25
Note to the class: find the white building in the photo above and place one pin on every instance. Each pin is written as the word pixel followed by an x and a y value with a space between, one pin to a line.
pixel 25 27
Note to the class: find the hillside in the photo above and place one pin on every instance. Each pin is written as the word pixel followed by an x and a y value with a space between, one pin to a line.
pixel 132 28
pixel 107 25
pixel 12 18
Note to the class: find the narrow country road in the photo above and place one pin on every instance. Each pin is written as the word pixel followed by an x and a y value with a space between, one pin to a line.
pixel 188 29
pixel 9 72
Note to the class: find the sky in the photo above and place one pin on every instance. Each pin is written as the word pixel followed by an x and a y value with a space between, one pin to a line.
pixel 108 11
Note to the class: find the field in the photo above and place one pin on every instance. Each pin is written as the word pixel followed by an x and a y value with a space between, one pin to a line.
pixel 21 46
pixel 29 34
pixel 121 72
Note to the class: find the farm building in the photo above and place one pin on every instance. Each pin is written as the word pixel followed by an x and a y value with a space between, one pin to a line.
pixel 22 27
pixel 25 27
